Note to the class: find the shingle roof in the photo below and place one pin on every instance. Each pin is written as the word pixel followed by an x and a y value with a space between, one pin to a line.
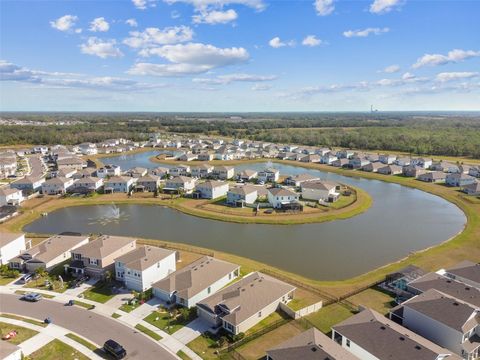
pixel 104 246
pixel 54 246
pixel 144 257
pixel 7 238
pixel 466 269
pixel 281 192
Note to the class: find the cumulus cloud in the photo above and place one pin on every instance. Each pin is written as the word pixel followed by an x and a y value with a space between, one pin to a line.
pixel 311 40
pixel 258 5
pixel 277 43
pixel 452 76
pixel 187 59
pixel 365 32
pixel 155 36
pixel 215 17
pixel 99 25
pixel 131 22
pixel 384 6
pixel 101 48
pixel 391 69
pixel 453 56
pixel 64 23
pixel 324 7
pixel 13 72
pixel 144 4
pixel 230 78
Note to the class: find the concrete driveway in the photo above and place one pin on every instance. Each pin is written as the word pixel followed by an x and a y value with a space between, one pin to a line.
pixel 90 325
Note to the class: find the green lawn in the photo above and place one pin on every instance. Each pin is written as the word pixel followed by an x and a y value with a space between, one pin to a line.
pixel 84 305
pixel 57 350
pixel 204 347
pixel 116 316
pixel 128 308
pixel 182 355
pixel 375 299
pixel 100 292
pixel 27 320
pixel 82 341
pixel 269 320
pixel 148 332
pixel 328 316
pixel 163 321
pixel 5 280
pixel 23 333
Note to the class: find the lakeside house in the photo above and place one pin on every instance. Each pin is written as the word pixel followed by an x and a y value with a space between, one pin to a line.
pixel 467 272
pixel 280 197
pixel 370 335
pixel 121 184
pixel 373 167
pixel 247 175
pixel 10 196
pixel 433 177
pixel 311 344
pixel 390 170
pixel 109 171
pixel 147 182
pixel 71 163
pixel 196 281
pixel 240 195
pixel 49 253
pixel 180 170
pixel 269 175
pixel 29 184
pixel 57 186
pixel 340 163
pixel 413 171
pixel 328 158
pixel 87 184
pixel 211 189
pixel 320 191
pixel 387 158
pixel 160 171
pixel 180 183
pixel 223 172
pixel 459 179
pixel 472 189
pixel 98 256
pixel 201 171
pixel 140 268
pixel 298 180
pixel 136 172
pixel 245 303
pixel 11 246
pixel 474 171
pixel 443 320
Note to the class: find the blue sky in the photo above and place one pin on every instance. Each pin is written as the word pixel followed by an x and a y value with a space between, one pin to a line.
pixel 239 55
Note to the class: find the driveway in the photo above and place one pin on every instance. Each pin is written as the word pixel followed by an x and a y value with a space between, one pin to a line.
pixel 94 327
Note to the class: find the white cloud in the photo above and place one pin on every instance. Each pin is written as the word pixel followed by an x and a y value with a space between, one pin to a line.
pixel 99 25
pixel 215 17
pixel 100 48
pixel 12 72
pixel 258 5
pixel 261 87
pixel 453 56
pixel 408 76
pixel 452 76
pixel 384 6
pixel 64 23
pixel 311 40
pixel 175 14
pixel 155 36
pixel 391 69
pixel 324 7
pixel 191 58
pixel 144 4
pixel 365 32
pixel 131 22
pixel 227 79
pixel 277 43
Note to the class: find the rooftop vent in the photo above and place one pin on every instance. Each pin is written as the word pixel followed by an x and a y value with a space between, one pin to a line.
pixel 456 303
pixel 383 328
pixel 402 338
pixel 418 347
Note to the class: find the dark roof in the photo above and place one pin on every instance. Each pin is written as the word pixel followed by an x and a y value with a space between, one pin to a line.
pixel 467 270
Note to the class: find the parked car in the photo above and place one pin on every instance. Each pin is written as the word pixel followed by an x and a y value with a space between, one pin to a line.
pixel 79 281
pixel 115 349
pixel 26 278
pixel 32 297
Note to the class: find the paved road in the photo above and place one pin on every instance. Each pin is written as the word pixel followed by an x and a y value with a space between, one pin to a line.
pixel 92 326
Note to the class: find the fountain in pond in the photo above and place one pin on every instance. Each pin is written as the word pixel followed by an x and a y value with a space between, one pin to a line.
pixel 112 214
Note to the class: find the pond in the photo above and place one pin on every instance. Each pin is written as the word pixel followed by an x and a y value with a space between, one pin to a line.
pixel 400 221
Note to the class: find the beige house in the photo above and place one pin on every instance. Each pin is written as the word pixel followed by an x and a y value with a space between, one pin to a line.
pixel 244 304
pixel 71 163
pixel 98 256
pixel 223 172
pixel 49 253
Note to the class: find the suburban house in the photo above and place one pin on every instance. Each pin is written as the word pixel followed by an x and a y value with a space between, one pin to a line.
pixel 240 195
pixel 49 253
pixel 223 172
pixel 211 189
pixel 121 184
pixel 443 320
pixel 201 171
pixel 180 183
pixel 109 171
pixel 136 172
pixel 373 166
pixel 140 268
pixel 98 256
pixel 341 162
pixel 159 171
pixel 459 179
pixel 472 189
pixel 57 185
pixel 345 154
pixel 371 336
pixel 298 180
pixel 10 196
pixel 390 170
pixel 245 303
pixel 87 184
pixel 474 171
pixel 188 157
pixel 71 163
pixel 320 190
pixel 181 170
pixel 402 161
pixel 328 158
pixel 269 175
pixel 425 163
pixel 147 182
pixel 88 148
pixel 196 281
pixel 29 184
pixel 413 171
pixel 311 158
pixel 445 167
pixel 280 197
pixel 311 344
pixel 466 272
pixel 11 245
pixel 205 156
pixel 387 159
pixel 247 175
pixel 8 166
pixel 358 162
pixel 433 177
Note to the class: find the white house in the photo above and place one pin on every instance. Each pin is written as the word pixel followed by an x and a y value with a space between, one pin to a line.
pixel 11 245
pixel 319 190
pixel 328 158
pixel 119 184
pixel 180 183
pixel 142 267
pixel 279 197
pixel 181 170
pixel 223 172
pixel 387 159
pixel 247 175
pixel 269 175
pixel 57 185
pixel 298 180
pixel 196 281
pixel 29 184
pixel 88 184
pixel 109 171
pixel 10 196
pixel 211 189
pixel 71 163
pixel 88 148
pixel 242 195
pixel 201 171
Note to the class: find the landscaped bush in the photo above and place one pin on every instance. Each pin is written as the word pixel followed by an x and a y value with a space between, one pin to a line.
pixel 7 272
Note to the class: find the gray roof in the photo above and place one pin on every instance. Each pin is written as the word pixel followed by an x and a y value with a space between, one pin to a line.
pixel 467 270
pixel 144 257
pixel 309 345
pixel 7 238
pixel 319 185
pixel 211 184
pixel 104 246
pixel 54 246
pixel 303 177
pixel 247 297
pixel 282 192
pixel 385 339
pixel 243 190
pixel 195 277
pixel 5 191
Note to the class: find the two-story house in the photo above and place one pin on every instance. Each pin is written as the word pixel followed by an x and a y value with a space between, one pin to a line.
pixel 211 189
pixel 223 172
pixel 180 183
pixel 240 195
pixel 201 171
pixel 121 184
pixel 57 185
pixel 11 245
pixel 269 175
pixel 279 197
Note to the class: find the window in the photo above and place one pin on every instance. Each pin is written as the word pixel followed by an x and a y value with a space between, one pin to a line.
pixel 348 343
pixel 209 290
pixel 259 314
pixel 229 276
pixel 93 262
